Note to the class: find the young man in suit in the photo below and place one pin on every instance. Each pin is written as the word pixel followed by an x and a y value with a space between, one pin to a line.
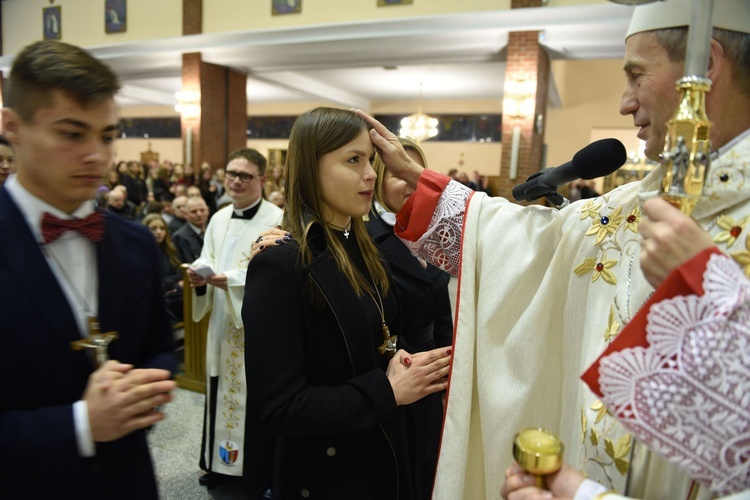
pixel 72 423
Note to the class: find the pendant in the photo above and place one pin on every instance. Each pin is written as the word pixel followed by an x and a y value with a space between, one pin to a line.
pixel 96 340
pixel 389 343
pixel 346 234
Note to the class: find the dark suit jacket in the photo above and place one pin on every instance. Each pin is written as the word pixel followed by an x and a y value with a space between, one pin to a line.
pixel 175 224
pixel 189 243
pixel 318 384
pixel 42 376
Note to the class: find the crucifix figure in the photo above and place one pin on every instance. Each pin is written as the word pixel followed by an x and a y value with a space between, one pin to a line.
pixel 96 340
pixel 389 342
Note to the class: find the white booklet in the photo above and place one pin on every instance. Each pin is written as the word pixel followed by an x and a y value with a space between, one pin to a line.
pixel 203 271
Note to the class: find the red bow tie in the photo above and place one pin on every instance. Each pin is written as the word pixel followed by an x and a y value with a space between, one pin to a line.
pixel 92 227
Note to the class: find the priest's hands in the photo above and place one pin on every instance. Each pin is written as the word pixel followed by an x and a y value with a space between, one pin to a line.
pixel 391 151
pixel 196 280
pixel 121 399
pixel 520 485
pixel 414 376
pixel 670 238
pixel 218 280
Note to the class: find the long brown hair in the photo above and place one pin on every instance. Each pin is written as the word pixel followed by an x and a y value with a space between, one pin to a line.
pixel 314 134
pixel 166 245
pixel 380 169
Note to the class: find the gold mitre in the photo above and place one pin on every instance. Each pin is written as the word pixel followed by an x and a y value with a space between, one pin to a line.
pixel 733 15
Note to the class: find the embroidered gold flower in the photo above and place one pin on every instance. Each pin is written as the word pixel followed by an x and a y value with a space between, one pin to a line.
pixel 631 222
pixel 605 225
pixel 732 229
pixel 590 209
pixel 620 452
pixel 600 410
pixel 743 258
pixel 613 327
pixel 599 268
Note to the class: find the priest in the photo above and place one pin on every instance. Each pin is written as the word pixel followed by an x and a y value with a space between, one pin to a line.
pixel 218 281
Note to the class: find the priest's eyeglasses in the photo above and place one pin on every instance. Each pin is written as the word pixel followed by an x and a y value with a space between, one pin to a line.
pixel 232 175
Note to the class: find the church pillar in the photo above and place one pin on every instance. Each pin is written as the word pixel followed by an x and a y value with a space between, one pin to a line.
pixel 214 115
pixel 524 106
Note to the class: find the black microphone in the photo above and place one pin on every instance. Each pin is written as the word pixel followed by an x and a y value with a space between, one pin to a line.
pixel 595 160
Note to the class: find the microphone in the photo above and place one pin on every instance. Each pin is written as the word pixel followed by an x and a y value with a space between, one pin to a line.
pixel 595 160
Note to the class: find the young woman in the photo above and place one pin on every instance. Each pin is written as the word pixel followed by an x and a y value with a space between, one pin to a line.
pixel 324 373
pixel 423 295
pixel 170 266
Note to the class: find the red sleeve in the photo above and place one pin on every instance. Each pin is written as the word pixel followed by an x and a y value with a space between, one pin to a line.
pixel 414 217
pixel 685 280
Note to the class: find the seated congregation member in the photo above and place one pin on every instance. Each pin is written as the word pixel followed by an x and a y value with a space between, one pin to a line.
pixel 426 321
pixel 170 266
pixel 177 217
pixel 230 447
pixel 189 238
pixel 324 372
pixel 117 203
pixel 68 427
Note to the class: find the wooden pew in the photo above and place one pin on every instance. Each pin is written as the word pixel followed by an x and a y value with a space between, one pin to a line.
pixel 193 376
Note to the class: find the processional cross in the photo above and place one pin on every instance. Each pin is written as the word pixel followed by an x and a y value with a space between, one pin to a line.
pixel 96 340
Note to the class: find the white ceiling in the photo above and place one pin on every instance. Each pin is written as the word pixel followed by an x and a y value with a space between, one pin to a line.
pixel 458 56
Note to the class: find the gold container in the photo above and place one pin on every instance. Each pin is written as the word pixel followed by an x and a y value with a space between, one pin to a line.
pixel 539 452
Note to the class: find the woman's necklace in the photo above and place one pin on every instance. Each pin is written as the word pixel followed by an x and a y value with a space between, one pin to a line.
pixel 346 231
pixel 389 341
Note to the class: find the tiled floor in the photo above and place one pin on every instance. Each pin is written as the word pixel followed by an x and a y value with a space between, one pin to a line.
pixel 175 449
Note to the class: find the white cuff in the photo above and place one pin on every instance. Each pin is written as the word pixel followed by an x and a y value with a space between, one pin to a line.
pixel 588 490
pixel 86 446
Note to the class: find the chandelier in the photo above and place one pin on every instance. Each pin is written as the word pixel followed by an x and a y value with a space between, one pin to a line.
pixel 419 126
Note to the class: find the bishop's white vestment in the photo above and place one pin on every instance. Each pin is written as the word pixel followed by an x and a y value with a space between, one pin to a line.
pixel 541 293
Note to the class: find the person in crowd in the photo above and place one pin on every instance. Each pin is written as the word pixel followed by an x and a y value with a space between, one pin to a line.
pixel 134 181
pixel 189 175
pixel 170 267
pixel 227 244
pixel 218 183
pixel 463 178
pixel 572 278
pixel 58 260
pixel 426 323
pixel 340 383
pixel 178 214
pixel 193 192
pixel 275 181
pixel 112 179
pixel 122 170
pixel 7 160
pixel 207 188
pixel 116 204
pixel 178 176
pixel 189 238
pixel 180 190
pixel 277 198
pixel 161 186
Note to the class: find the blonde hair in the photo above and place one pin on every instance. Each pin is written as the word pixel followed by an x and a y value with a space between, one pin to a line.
pixel 314 134
pixel 381 169
pixel 166 245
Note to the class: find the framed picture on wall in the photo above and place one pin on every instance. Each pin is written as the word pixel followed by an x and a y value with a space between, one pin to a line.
pixel 115 16
pixel 52 22
pixel 382 3
pixel 279 7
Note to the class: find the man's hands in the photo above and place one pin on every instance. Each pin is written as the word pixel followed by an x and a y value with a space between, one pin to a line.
pixel 520 485
pixel 391 151
pixel 121 399
pixel 414 376
pixel 670 238
pixel 217 280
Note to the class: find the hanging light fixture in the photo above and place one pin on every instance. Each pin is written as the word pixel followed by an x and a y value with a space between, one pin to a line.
pixel 419 126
